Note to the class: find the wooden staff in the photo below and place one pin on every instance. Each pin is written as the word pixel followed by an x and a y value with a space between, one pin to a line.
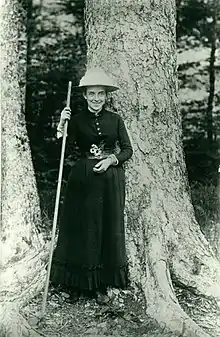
pixel 56 206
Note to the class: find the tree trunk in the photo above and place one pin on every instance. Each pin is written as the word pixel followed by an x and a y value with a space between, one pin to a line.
pixel 22 247
pixel 211 84
pixel 135 43
pixel 212 230
pixel 29 32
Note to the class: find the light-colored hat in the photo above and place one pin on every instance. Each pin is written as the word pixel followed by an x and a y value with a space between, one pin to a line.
pixel 96 76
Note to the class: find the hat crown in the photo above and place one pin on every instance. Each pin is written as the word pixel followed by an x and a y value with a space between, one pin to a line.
pixel 97 77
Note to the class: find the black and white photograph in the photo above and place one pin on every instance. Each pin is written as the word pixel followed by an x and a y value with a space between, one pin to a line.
pixel 110 168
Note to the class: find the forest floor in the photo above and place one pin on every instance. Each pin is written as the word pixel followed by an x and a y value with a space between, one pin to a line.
pixel 124 316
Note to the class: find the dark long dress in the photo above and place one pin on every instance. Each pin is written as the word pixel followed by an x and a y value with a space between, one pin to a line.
pixel 90 251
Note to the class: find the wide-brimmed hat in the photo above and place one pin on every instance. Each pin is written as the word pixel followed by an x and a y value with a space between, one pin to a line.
pixel 97 77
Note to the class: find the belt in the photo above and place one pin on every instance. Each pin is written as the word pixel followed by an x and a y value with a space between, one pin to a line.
pixel 96 157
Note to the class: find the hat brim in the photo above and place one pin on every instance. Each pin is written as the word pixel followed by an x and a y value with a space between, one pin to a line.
pixel 109 88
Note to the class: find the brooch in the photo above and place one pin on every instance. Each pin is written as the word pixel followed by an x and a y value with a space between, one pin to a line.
pixel 97 151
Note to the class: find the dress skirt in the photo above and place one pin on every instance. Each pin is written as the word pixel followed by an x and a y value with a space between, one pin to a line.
pixel 90 252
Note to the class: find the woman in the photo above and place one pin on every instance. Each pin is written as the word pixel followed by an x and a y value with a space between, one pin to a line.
pixel 90 254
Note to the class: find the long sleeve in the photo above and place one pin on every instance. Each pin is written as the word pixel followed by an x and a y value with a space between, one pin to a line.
pixel 60 130
pixel 125 143
pixel 72 149
pixel 71 129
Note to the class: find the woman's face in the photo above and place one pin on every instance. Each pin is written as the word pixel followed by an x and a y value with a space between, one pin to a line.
pixel 96 97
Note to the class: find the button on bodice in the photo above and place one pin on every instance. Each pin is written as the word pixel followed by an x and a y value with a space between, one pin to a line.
pixel 98 127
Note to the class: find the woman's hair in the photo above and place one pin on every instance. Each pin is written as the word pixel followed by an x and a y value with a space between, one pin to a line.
pixel 85 88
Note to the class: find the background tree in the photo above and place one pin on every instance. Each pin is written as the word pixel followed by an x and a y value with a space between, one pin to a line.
pixel 199 93
pixel 22 246
pixel 197 32
pixel 135 42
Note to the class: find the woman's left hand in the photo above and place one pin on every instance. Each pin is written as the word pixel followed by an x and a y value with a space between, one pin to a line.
pixel 102 165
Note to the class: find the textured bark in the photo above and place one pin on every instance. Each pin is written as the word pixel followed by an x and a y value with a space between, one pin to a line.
pixel 22 247
pixel 135 43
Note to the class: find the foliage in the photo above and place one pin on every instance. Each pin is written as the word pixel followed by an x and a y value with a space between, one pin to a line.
pixel 57 55
pixel 194 19
pixel 195 33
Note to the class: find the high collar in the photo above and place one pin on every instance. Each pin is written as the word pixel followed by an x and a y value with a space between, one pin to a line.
pixel 95 115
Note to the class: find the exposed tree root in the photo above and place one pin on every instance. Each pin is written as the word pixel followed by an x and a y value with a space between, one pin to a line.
pixel 22 280
pixel 165 250
pixel 13 324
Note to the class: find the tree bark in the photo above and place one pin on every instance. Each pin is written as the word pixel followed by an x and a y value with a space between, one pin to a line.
pixel 22 247
pixel 29 32
pixel 135 42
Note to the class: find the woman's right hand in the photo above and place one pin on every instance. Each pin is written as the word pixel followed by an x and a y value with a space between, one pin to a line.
pixel 65 114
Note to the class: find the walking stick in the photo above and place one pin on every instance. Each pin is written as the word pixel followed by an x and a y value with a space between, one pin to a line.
pixel 56 206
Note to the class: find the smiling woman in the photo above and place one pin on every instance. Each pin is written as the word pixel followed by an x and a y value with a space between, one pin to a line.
pixel 95 97
pixel 90 254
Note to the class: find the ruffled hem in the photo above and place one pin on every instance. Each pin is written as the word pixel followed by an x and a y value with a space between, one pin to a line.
pixel 88 278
